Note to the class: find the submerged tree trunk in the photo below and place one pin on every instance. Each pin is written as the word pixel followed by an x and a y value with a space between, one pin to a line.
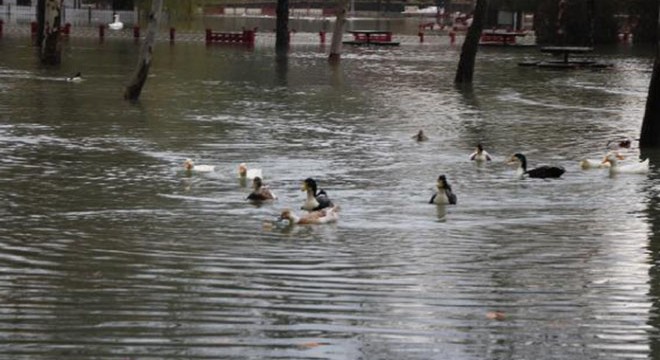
pixel 282 27
pixel 134 87
pixel 338 32
pixel 650 135
pixel 49 40
pixel 465 70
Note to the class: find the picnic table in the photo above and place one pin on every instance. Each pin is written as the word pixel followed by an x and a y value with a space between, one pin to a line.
pixel 371 37
pixel 499 37
pixel 566 51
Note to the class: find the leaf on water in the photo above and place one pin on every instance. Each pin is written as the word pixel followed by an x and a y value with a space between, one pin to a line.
pixel 309 345
pixel 496 315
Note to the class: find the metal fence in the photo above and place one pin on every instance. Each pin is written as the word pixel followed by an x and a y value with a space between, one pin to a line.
pixel 14 14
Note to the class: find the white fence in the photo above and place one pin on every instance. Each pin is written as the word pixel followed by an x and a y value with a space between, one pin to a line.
pixel 13 14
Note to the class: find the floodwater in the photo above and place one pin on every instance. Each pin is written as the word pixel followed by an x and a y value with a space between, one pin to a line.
pixel 108 250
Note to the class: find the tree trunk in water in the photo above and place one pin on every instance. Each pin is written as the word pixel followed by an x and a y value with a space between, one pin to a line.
pixel 338 32
pixel 650 136
pixel 282 27
pixel 41 14
pixel 50 47
pixel 465 70
pixel 139 77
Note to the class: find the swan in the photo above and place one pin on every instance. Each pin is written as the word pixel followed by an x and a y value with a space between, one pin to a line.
pixel 316 200
pixel 323 216
pixel 116 24
pixel 541 172
pixel 420 136
pixel 190 166
pixel 260 192
pixel 444 194
pixel 480 155
pixel 75 78
pixel 635 168
pixel 246 173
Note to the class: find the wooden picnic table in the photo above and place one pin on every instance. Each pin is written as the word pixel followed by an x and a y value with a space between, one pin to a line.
pixel 566 50
pixel 375 37
pixel 499 37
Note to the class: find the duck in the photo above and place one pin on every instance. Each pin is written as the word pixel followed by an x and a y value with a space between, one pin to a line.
pixel 540 172
pixel 444 194
pixel 323 216
pixel 260 191
pixel 116 24
pixel 190 166
pixel 480 155
pixel 613 158
pixel 246 173
pixel 316 200
pixel 619 144
pixel 75 78
pixel 587 164
pixel 420 136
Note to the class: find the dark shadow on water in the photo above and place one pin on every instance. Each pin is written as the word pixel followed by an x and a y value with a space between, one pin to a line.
pixel 281 69
pixel 653 217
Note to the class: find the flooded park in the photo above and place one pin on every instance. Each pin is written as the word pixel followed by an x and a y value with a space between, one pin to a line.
pixel 110 250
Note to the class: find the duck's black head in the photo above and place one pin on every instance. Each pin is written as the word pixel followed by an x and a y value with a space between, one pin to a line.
pixel 522 159
pixel 78 74
pixel 442 181
pixel 257 183
pixel 310 184
pixel 480 148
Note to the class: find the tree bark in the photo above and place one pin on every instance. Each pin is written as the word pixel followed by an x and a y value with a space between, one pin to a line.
pixel 50 47
pixel 41 13
pixel 650 134
pixel 338 32
pixel 282 27
pixel 134 87
pixel 465 71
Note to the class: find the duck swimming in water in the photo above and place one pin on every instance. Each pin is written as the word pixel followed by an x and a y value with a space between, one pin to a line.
pixel 116 24
pixel 587 164
pixel 480 155
pixel 75 78
pixel 246 173
pixel 420 136
pixel 540 172
pixel 190 166
pixel 615 168
pixel 444 194
pixel 316 200
pixel 260 192
pixel 323 216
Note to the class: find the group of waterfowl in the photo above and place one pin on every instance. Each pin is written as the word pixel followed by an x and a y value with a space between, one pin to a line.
pixel 445 195
pixel 319 209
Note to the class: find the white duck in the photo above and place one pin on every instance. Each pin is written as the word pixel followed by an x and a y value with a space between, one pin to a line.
pixel 116 24
pixel 190 166
pixel 634 168
pixel 323 216
pixel 75 78
pixel 480 155
pixel 246 173
pixel 587 164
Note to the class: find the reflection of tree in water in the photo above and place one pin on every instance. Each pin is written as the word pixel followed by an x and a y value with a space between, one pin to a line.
pixel 653 215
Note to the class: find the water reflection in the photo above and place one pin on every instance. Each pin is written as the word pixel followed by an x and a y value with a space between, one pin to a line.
pixel 110 250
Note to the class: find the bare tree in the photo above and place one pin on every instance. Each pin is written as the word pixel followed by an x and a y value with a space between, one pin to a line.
pixel 282 27
pixel 465 70
pixel 338 33
pixel 48 38
pixel 134 87
pixel 650 135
